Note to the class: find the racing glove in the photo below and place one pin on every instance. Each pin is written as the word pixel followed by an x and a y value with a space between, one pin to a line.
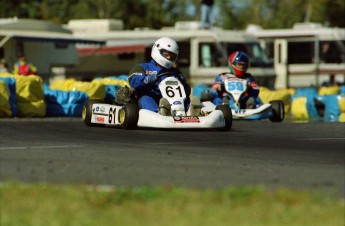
pixel 219 86
pixel 150 79
pixel 124 95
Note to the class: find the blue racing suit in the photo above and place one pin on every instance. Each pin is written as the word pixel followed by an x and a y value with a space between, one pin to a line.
pixel 218 91
pixel 149 94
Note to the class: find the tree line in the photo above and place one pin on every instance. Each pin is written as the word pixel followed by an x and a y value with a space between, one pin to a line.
pixel 229 14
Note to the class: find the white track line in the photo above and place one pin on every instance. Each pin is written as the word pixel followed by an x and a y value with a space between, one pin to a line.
pixel 40 147
pixel 190 142
pixel 343 138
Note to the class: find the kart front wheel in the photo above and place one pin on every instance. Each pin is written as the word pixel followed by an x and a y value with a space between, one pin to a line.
pixel 278 112
pixel 87 111
pixel 227 116
pixel 129 116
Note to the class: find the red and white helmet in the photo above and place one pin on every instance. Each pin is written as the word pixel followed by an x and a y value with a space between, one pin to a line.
pixel 165 52
pixel 238 63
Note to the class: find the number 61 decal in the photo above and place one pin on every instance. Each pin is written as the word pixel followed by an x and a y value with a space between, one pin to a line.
pixel 170 91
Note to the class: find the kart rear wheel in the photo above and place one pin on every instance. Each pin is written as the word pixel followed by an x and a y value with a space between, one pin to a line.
pixel 129 116
pixel 227 116
pixel 277 110
pixel 87 111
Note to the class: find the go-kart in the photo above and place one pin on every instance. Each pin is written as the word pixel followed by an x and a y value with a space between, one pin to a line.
pixel 129 116
pixel 236 88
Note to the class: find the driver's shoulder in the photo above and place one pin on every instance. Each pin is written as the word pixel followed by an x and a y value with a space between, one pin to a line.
pixel 139 68
pixel 248 75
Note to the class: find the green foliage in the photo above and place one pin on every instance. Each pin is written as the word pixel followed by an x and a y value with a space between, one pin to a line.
pixel 159 13
pixel 281 14
pixel 331 13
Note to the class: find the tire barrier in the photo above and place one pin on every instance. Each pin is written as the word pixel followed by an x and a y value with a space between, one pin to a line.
pixel 5 108
pixel 28 96
pixel 12 97
pixel 64 103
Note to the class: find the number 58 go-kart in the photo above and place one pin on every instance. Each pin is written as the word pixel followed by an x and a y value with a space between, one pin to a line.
pixel 129 116
pixel 236 87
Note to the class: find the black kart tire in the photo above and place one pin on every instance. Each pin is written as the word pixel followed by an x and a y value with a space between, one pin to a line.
pixel 87 111
pixel 278 111
pixel 227 116
pixel 130 116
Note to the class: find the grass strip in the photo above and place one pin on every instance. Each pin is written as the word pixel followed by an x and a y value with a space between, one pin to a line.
pixel 79 205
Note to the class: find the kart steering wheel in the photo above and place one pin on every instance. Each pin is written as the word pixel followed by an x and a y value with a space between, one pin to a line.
pixel 180 77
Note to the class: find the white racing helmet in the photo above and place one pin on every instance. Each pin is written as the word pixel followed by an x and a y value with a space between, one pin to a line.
pixel 165 52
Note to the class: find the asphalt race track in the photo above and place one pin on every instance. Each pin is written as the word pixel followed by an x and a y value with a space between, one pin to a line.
pixel 302 156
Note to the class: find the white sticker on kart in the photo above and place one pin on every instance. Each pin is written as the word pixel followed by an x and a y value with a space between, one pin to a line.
pixel 172 88
pixel 235 87
pixel 105 114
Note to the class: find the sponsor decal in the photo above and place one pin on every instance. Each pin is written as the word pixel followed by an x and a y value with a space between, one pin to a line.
pixel 186 119
pixel 150 72
pixel 177 103
pixel 253 85
pixel 171 83
pixel 97 109
pixel 136 73
pixel 100 119
pixel 102 109
pixel 231 79
pixel 240 111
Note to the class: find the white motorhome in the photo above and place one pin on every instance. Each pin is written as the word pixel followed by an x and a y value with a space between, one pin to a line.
pixel 203 53
pixel 50 47
pixel 309 54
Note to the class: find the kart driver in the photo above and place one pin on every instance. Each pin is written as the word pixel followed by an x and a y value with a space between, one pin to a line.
pixel 238 63
pixel 144 77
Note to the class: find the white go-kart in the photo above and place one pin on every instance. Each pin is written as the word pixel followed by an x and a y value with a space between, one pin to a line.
pixel 236 87
pixel 129 116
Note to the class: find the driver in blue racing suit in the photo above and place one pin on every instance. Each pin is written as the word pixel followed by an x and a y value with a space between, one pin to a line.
pixel 143 77
pixel 238 63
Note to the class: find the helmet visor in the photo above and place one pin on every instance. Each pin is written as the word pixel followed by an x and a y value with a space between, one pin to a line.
pixel 168 55
pixel 240 65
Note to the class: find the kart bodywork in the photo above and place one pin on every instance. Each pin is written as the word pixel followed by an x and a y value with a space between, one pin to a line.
pixel 236 87
pixel 129 116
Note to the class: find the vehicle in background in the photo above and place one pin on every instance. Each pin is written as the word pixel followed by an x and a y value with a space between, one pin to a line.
pixel 50 47
pixel 309 54
pixel 236 88
pixel 203 53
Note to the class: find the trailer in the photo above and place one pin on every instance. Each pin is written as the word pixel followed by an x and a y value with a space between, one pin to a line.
pixel 203 53
pixel 309 54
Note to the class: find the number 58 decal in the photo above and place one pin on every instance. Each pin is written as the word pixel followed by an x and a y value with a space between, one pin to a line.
pixel 235 86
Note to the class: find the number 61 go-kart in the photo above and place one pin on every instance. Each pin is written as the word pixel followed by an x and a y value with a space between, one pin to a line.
pixel 236 87
pixel 129 116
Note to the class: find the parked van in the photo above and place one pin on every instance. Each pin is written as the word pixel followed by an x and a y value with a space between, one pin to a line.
pixel 50 47
pixel 203 53
pixel 309 54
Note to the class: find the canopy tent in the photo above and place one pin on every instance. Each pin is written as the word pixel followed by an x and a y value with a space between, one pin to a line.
pixel 44 37
pixel 38 31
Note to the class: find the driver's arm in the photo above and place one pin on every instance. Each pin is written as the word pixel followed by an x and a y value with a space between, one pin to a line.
pixel 253 87
pixel 136 77
pixel 217 84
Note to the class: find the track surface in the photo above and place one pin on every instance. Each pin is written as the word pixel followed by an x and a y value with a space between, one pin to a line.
pixel 302 156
